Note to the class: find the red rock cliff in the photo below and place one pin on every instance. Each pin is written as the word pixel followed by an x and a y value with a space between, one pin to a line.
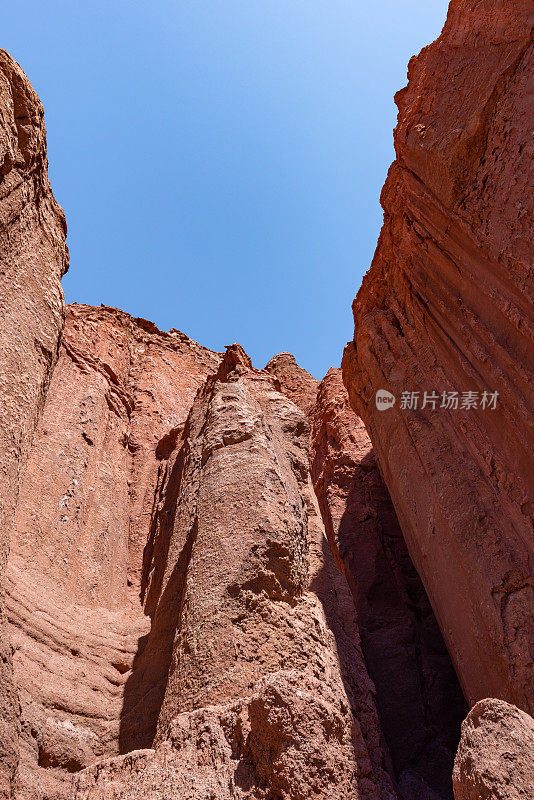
pixel 33 257
pixel 117 402
pixel 182 588
pixel 447 307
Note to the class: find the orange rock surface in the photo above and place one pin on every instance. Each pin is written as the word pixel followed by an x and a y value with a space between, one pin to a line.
pixel 119 396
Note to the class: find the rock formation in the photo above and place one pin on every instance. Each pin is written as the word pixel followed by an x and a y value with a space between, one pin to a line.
pixel 251 682
pixel 420 716
pixel 447 307
pixel 295 382
pixel 33 257
pixel 117 403
pixel 495 759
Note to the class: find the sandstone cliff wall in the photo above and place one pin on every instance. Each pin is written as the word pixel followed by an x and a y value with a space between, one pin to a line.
pixel 33 257
pixel 447 306
pixel 420 715
pixel 119 397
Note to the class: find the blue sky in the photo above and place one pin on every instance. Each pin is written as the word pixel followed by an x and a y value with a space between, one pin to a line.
pixel 220 161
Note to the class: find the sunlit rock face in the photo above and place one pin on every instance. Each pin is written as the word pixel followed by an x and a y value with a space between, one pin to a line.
pixel 447 307
pixel 494 758
pixel 183 607
pixel 118 399
pixel 33 257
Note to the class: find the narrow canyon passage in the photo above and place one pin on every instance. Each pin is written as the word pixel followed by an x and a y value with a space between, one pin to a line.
pixel 418 696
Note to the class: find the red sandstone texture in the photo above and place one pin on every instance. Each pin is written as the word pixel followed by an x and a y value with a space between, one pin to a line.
pixel 420 716
pixel 251 682
pixel 209 593
pixel 447 305
pixel 118 399
pixel 295 382
pixel 495 759
pixel 33 257
pixel 182 577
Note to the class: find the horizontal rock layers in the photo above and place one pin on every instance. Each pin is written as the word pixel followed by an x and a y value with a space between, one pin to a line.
pixel 447 307
pixel 183 578
pixel 118 399
pixel 251 682
pixel 33 257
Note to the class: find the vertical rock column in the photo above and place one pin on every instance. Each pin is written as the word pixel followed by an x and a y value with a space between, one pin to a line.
pixel 257 622
pixel 421 712
pixel 33 257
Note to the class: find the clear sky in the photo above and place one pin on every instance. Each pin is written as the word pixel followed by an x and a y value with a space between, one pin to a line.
pixel 220 161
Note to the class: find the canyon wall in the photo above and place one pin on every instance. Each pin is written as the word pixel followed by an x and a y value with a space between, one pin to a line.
pixel 33 257
pixel 446 308
pixel 220 584
pixel 117 402
pixel 420 715
pixel 169 570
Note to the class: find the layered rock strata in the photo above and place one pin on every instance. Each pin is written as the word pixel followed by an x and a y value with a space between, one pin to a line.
pixel 447 308
pixel 33 257
pixel 117 402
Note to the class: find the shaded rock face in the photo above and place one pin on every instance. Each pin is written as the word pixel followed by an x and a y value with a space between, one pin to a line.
pixel 418 695
pixel 33 257
pixel 495 757
pixel 446 306
pixel 118 399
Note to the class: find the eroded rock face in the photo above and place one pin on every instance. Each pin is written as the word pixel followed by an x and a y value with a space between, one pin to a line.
pixel 183 596
pixel 418 695
pixel 118 399
pixel 495 758
pixel 253 645
pixel 33 257
pixel 446 306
